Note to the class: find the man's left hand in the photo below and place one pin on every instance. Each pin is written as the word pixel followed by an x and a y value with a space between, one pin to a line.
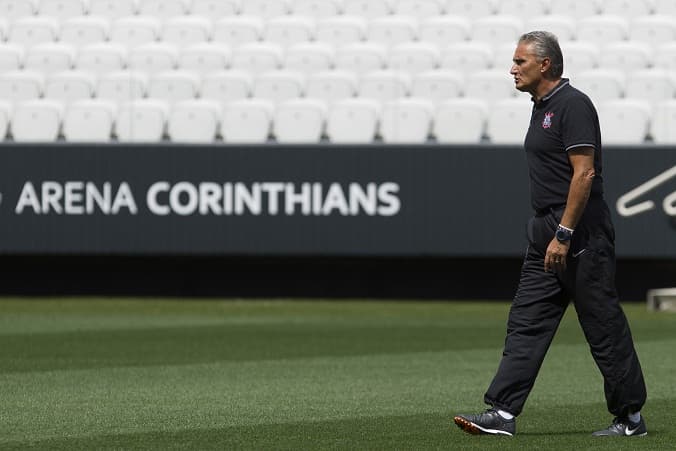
pixel 555 259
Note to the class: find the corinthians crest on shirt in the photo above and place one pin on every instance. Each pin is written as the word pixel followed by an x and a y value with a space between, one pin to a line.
pixel 547 121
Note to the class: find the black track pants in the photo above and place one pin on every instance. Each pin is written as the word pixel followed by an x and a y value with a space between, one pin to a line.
pixel 541 301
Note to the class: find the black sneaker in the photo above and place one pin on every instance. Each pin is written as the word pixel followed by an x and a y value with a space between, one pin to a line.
pixel 488 422
pixel 622 427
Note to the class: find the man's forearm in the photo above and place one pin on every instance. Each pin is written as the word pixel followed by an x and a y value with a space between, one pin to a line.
pixel 578 195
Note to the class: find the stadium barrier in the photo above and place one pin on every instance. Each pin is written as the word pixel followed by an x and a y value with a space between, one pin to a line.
pixel 284 200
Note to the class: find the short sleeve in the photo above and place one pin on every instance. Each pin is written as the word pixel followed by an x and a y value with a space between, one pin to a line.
pixel 580 124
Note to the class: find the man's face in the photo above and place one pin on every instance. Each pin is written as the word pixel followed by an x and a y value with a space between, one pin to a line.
pixel 526 69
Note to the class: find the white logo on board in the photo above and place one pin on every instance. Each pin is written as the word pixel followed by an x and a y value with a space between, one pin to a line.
pixel 668 204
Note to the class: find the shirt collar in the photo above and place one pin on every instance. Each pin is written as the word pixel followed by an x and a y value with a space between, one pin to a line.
pixel 562 84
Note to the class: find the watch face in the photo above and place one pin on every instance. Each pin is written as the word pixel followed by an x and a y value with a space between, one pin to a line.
pixel 563 235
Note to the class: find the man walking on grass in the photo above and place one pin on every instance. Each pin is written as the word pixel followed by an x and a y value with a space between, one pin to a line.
pixel 571 253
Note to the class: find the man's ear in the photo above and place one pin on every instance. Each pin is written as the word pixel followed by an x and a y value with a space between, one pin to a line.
pixel 545 65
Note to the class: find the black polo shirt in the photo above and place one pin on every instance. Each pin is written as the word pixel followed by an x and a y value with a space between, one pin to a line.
pixel 562 120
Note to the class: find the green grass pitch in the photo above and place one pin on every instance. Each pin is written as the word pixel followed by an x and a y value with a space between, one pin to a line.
pixel 166 374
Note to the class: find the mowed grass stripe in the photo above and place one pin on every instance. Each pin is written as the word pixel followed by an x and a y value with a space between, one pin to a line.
pixel 139 400
pixel 542 431
pixel 372 397
pixel 240 332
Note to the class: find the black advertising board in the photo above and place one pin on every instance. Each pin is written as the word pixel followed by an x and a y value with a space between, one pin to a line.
pixel 428 200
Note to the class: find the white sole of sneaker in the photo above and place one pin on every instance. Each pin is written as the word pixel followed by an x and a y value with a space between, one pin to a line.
pixel 475 429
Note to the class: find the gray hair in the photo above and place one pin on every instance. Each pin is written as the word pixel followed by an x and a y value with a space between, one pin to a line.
pixel 546 45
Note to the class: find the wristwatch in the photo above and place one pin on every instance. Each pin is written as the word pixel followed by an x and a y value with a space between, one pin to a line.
pixel 563 234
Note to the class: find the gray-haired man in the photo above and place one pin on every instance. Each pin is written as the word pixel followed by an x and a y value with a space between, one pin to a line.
pixel 570 255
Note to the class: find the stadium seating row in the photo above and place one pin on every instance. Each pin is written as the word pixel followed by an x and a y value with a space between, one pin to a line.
pixel 355 120
pixel 323 8
pixel 131 31
pixel 223 86
pixel 309 58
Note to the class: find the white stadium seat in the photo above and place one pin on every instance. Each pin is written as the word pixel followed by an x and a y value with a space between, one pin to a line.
pixel 651 85
pixel 406 121
pixel 665 57
pixel 184 31
pixel 414 57
pixel 654 30
pixel 153 57
pixel 61 9
pixel 299 121
pixel 238 30
pixel 467 57
pixel 29 31
pixel 122 86
pixel 265 8
pixel 133 31
pixel 317 8
pixel 257 57
pixel 419 8
pixel 37 120
pixel 332 86
pixel 361 57
pixel 503 56
pixel 289 30
pixel 626 55
pixel 564 27
pixel 576 9
pixel 174 86
pixel 384 85
pixel 368 9
pixel 460 121
pixel 443 30
pixel 5 118
pixel 163 9
pixel 579 56
pixel 215 8
pixel 112 9
pixel 247 121
pixel 353 121
pixel 141 121
pixel 102 58
pixel 472 9
pixel 89 120
pixel 624 121
pixel 70 86
pixel 50 57
pixel 627 8
pixel 194 121
pixel 341 30
pixel 14 9
pixel 601 85
pixel 662 127
pixel 226 86
pixel 490 85
pixel 392 30
pixel 603 29
pixel 16 86
pixel 84 30
pixel 11 57
pixel 437 85
pixel 309 57
pixel 508 121
pixel 664 7
pixel 279 85
pixel 497 29
pixel 522 8
pixel 205 57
